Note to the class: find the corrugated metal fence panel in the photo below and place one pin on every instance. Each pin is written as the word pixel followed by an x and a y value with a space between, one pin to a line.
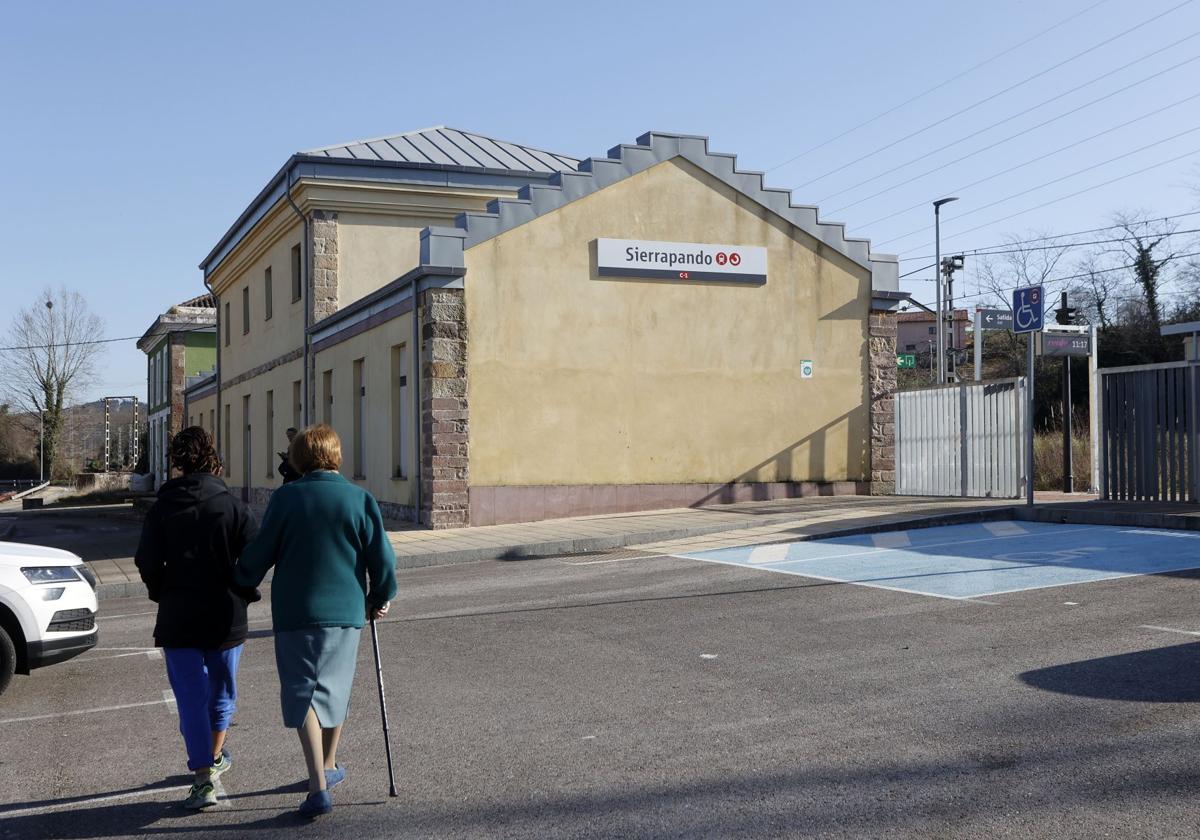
pixel 960 440
pixel 1148 432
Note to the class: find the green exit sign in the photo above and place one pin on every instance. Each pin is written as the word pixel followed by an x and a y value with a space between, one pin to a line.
pixel 906 360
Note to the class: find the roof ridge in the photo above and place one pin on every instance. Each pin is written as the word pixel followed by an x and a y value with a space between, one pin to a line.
pixel 470 133
pixel 366 140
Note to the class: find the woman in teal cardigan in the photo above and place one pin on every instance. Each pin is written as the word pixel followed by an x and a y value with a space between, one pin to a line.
pixel 325 538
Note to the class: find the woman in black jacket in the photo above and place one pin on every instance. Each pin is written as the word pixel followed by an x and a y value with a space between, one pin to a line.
pixel 191 539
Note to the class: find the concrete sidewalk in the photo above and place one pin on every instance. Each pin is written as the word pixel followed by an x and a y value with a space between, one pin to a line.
pixel 667 531
pixel 805 516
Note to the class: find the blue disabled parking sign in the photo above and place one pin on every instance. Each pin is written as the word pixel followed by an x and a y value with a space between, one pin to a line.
pixel 1027 309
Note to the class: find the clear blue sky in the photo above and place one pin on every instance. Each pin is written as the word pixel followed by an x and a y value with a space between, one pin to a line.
pixel 133 133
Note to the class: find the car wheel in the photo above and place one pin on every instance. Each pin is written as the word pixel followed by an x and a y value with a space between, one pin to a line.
pixel 8 659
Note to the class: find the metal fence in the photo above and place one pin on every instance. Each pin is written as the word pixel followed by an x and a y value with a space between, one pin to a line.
pixel 961 440
pixel 1148 426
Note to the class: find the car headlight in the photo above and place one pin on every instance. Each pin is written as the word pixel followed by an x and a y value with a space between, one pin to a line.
pixel 48 574
pixel 87 574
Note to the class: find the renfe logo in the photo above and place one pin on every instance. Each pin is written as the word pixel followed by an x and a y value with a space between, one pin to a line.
pixel 681 261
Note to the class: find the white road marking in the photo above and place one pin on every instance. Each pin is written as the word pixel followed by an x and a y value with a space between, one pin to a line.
pixel 768 554
pixel 1169 629
pixel 891 539
pixel 150 654
pixel 1070 603
pixel 866 551
pixel 95 800
pixel 103 617
pixel 139 649
pixel 709 655
pixel 89 711
pixel 169 699
pixel 611 560
pixel 1158 532
pixel 1004 529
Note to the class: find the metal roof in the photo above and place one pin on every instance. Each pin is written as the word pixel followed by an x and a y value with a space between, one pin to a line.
pixel 444 146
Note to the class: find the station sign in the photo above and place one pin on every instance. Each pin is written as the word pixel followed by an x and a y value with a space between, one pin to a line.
pixel 1066 344
pixel 684 261
pixel 996 319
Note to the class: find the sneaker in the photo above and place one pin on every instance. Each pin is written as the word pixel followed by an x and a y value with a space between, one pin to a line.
pixel 202 795
pixel 222 764
pixel 316 804
pixel 335 777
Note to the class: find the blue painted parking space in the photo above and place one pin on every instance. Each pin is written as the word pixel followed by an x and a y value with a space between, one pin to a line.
pixel 972 561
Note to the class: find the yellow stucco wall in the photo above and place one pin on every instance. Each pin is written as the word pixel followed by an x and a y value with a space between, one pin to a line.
pixel 197 413
pixel 375 348
pixel 372 249
pixel 267 339
pixel 267 431
pixel 574 379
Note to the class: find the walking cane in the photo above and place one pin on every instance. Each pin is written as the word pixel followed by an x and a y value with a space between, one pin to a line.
pixel 387 737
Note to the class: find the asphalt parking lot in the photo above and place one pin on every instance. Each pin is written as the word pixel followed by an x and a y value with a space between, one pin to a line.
pixel 626 695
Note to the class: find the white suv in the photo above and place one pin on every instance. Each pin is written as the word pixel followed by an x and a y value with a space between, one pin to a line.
pixel 47 608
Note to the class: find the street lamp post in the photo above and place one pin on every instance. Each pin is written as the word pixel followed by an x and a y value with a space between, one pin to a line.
pixel 937 267
pixel 42 449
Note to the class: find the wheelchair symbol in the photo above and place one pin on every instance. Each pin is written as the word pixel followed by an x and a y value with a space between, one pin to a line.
pixel 1027 309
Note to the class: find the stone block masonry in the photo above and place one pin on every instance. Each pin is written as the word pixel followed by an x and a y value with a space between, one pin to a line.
pixel 323 230
pixel 881 347
pixel 445 417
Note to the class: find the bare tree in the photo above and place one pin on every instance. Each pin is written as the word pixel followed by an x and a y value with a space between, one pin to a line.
pixel 1013 266
pixel 1099 291
pixel 52 354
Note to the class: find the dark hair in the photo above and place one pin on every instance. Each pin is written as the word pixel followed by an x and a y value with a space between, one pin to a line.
pixel 192 451
pixel 316 448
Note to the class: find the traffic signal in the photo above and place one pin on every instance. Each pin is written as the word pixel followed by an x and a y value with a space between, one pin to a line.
pixel 1067 314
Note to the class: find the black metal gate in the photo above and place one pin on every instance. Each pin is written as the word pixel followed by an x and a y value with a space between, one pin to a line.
pixel 1148 428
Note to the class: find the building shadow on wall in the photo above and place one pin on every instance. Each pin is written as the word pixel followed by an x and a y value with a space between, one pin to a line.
pixel 784 462
pixel 1162 675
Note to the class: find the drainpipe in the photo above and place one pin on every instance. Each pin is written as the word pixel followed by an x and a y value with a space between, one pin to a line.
pixel 220 326
pixel 306 276
pixel 416 341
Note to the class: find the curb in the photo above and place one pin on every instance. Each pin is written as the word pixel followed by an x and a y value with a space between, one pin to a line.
pixel 887 522
pixel 583 545
pixel 111 591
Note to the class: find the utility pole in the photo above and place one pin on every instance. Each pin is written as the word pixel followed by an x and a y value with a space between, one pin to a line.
pixel 937 268
pixel 948 266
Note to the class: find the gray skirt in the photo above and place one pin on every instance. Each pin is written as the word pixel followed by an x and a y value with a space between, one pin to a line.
pixel 316 668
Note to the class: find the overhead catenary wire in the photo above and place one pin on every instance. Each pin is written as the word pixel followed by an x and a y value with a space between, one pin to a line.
pixel 939 86
pixel 1064 247
pixel 977 103
pixel 990 146
pixel 93 341
pixel 1141 171
pixel 984 249
pixel 1051 280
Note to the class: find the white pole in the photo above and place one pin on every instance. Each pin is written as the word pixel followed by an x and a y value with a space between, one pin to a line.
pixel 42 450
pixel 978 345
pixel 1094 408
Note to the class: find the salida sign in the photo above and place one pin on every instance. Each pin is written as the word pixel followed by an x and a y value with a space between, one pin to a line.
pixel 681 261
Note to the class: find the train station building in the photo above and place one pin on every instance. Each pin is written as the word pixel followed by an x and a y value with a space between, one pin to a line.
pixel 504 334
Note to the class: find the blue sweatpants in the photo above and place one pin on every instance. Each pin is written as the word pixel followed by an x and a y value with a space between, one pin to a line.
pixel 205 686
